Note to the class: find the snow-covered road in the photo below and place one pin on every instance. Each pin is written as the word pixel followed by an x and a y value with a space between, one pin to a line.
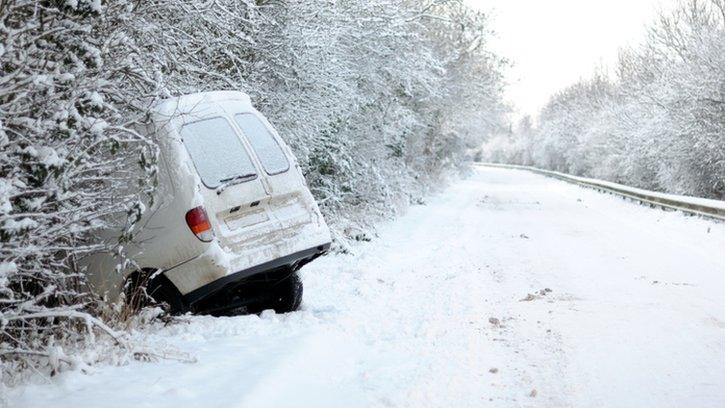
pixel 508 289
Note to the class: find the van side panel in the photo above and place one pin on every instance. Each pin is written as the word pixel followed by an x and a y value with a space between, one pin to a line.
pixel 167 239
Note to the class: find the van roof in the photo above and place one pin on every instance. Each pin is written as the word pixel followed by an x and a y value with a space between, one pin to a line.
pixel 187 103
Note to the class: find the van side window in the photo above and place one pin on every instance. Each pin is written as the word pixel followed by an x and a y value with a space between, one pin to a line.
pixel 217 151
pixel 265 146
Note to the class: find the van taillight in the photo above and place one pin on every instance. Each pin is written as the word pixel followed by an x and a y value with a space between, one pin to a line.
pixel 198 221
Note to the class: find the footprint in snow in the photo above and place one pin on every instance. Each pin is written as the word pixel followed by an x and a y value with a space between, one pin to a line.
pixel 536 295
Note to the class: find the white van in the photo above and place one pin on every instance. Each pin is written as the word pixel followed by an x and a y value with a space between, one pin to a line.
pixel 232 219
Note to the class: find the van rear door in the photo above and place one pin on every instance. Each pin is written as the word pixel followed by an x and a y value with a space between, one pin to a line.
pixel 234 196
pixel 288 202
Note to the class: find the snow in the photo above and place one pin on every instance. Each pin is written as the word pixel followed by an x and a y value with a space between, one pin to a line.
pixel 49 157
pixel 697 201
pixel 4 139
pixel 676 198
pixel 11 225
pixel 98 126
pixel 508 289
pixel 65 77
pixel 266 148
pixel 95 99
pixel 6 190
pixel 216 150
pixel 6 268
pixel 95 5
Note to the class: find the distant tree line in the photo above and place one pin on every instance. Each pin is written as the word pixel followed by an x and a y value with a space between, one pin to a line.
pixel 659 124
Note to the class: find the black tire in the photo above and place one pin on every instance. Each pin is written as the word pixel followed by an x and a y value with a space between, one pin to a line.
pixel 286 295
pixel 163 292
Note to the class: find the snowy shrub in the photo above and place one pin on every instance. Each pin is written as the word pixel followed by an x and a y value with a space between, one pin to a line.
pixel 69 165
pixel 660 125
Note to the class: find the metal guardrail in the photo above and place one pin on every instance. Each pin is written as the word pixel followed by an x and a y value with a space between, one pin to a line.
pixel 692 205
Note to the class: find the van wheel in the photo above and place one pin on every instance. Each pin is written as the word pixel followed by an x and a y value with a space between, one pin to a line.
pixel 285 295
pixel 162 291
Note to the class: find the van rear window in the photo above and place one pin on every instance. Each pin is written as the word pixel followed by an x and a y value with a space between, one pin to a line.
pixel 268 151
pixel 217 151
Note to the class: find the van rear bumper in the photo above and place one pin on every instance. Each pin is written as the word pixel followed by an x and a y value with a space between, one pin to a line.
pixel 293 261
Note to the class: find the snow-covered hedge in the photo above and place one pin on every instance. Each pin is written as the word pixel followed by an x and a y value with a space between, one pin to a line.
pixel 659 125
pixel 69 164
pixel 378 100
pixel 375 98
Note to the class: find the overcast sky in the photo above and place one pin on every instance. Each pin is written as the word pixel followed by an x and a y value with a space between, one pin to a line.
pixel 553 43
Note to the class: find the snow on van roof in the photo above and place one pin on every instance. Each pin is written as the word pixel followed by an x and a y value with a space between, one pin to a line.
pixel 187 103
